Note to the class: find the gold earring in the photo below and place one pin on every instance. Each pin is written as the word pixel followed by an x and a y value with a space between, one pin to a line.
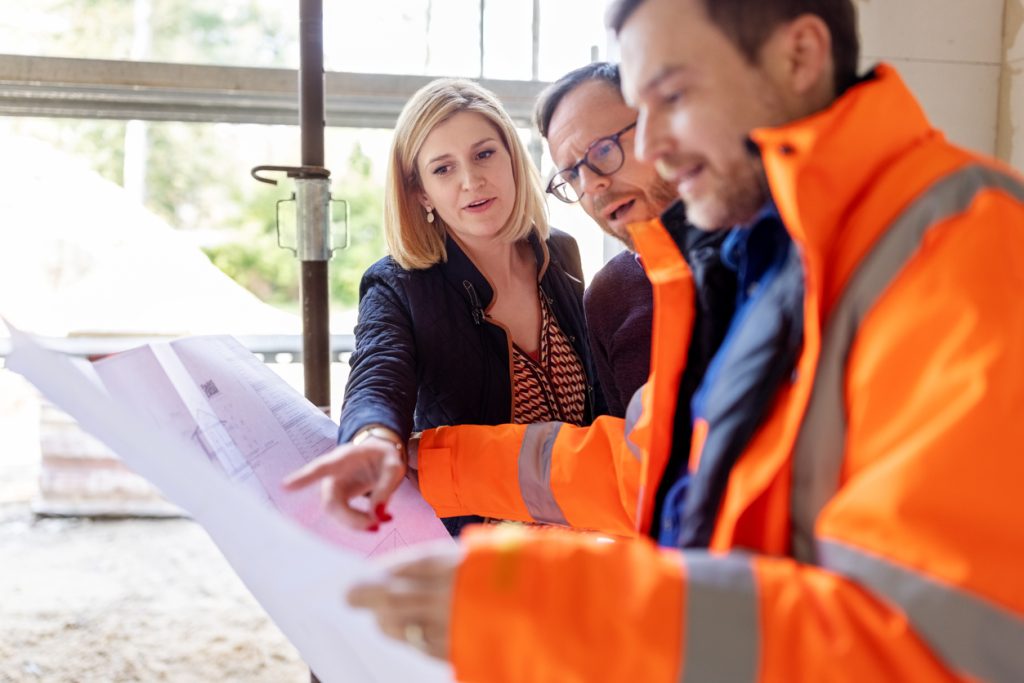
pixel 430 215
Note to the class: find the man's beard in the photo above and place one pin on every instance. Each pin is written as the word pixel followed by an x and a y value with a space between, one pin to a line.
pixel 727 203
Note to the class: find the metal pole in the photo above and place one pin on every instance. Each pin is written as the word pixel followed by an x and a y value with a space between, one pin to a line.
pixel 535 146
pixel 312 223
pixel 312 202
pixel 483 10
pixel 535 36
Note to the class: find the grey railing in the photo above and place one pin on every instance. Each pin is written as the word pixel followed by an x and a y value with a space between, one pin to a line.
pixel 271 348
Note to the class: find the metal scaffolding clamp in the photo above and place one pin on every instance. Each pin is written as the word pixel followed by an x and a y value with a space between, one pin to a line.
pixel 313 202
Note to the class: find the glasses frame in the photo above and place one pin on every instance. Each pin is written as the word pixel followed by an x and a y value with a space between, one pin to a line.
pixel 552 187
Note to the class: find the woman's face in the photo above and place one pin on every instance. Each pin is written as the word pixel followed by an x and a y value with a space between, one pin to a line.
pixel 466 173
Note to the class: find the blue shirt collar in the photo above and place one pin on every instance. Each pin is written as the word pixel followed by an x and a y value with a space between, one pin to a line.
pixel 752 249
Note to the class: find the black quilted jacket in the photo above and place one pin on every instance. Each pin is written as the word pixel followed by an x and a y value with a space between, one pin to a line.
pixel 425 354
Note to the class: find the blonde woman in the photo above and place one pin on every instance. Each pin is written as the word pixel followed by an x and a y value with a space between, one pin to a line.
pixel 476 317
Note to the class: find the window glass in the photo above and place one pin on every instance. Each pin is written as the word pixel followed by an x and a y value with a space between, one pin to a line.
pixel 569 31
pixel 228 32
pixel 197 184
pixel 423 37
pixel 508 40
pixel 420 37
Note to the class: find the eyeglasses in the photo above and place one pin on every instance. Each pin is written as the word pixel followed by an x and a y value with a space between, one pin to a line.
pixel 603 157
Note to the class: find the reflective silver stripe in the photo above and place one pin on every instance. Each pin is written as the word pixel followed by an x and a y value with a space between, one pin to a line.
pixel 722 638
pixel 633 413
pixel 819 449
pixel 535 472
pixel 972 635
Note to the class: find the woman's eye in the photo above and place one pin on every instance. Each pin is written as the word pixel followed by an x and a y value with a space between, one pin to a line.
pixel 441 170
pixel 485 154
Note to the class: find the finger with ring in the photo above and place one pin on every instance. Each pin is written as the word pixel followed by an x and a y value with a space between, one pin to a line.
pixel 414 635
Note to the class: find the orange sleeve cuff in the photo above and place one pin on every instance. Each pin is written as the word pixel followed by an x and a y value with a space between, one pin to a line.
pixel 472 470
pixel 436 474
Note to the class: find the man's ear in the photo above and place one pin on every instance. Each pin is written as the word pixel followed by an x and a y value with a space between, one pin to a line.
pixel 799 57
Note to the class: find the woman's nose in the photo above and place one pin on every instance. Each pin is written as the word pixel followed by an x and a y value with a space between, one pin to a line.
pixel 471 178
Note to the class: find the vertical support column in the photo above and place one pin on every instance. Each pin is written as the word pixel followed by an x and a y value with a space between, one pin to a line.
pixel 483 9
pixel 535 34
pixel 1009 132
pixel 535 145
pixel 316 351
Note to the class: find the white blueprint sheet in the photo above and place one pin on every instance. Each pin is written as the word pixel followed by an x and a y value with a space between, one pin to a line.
pixel 298 577
pixel 256 428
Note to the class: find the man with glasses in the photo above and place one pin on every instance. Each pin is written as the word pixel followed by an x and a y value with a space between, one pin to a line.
pixel 589 130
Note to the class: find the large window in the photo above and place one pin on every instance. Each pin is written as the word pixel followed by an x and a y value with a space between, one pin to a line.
pixel 423 37
pixel 194 175
pixel 227 32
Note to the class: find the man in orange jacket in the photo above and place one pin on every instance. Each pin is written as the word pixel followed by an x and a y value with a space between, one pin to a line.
pixel 856 514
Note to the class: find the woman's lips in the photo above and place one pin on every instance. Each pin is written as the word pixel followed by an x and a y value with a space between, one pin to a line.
pixel 479 206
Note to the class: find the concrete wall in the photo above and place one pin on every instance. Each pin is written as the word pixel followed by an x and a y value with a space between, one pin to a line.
pixel 964 59
pixel 1010 134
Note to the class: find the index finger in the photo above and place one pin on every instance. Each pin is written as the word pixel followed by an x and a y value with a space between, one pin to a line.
pixel 391 475
pixel 315 470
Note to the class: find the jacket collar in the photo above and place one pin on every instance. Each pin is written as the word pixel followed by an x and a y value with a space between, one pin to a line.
pixel 691 240
pixel 459 269
pixel 844 148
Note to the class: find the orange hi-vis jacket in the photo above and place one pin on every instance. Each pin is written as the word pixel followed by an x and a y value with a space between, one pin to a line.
pixel 873 528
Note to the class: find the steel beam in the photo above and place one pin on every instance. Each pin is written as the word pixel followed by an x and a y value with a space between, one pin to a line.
pixel 159 91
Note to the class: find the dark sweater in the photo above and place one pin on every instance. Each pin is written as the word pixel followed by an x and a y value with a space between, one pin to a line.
pixel 618 307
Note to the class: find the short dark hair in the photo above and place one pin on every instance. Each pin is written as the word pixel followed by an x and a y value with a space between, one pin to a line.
pixel 749 23
pixel 553 95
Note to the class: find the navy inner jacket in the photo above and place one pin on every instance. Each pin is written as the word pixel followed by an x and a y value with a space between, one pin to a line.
pixel 763 336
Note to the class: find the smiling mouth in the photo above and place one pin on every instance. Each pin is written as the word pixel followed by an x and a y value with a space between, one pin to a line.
pixel 677 175
pixel 689 174
pixel 621 210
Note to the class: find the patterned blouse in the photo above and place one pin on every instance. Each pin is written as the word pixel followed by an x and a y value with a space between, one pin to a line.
pixel 552 387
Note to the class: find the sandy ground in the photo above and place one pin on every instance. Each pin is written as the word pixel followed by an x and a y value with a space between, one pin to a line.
pixel 128 600
pixel 118 600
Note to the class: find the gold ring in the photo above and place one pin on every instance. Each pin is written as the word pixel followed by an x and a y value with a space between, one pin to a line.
pixel 414 635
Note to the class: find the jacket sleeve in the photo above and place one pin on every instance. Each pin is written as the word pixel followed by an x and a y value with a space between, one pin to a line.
pixel 381 387
pixel 577 609
pixel 584 477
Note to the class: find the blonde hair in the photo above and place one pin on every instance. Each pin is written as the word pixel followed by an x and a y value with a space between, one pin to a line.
pixel 415 243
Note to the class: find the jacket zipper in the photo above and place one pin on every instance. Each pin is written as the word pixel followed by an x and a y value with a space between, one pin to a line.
pixel 474 300
pixel 479 316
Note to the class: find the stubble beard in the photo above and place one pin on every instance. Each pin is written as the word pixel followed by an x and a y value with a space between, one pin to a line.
pixel 663 195
pixel 734 200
